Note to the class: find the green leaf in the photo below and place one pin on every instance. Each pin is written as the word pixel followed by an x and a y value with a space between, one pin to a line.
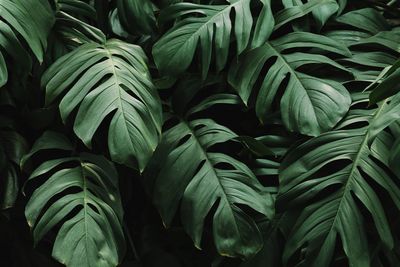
pixel 109 80
pixel 371 59
pixel 255 146
pixel 309 105
pixel 342 5
pixel 389 113
pixel 324 12
pixel 384 39
pixel 72 28
pixel 137 16
pixel 367 19
pixel 308 172
pixel 90 216
pixel 12 147
pixel 186 173
pixel 3 71
pixel 49 140
pixel 15 21
pixel 389 86
pixel 209 28
pixel 300 10
pixel 321 10
pixel 216 99
pixel 271 253
pixel 77 7
pixel 187 88
pixel 10 43
pixel 32 19
pixel 395 157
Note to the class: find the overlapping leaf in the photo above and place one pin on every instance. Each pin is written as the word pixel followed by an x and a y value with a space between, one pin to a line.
pixel 374 47
pixel 186 173
pixel 31 19
pixel 209 28
pixel 109 80
pixel 330 197
pixel 81 193
pixel 389 85
pixel 296 9
pixel 12 148
pixel 72 27
pixel 309 105
pixel 136 16
pixel 321 13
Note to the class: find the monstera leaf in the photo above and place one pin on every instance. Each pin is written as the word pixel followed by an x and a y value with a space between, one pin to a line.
pixel 12 148
pixel 333 199
pixel 31 19
pixel 389 85
pixel 372 21
pixel 367 63
pixel 209 27
pixel 72 27
pixel 321 13
pixel 186 173
pixel 309 105
pixel 109 79
pixel 81 193
pixel 136 16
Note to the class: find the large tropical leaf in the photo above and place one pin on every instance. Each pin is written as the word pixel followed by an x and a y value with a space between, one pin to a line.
pixel 309 105
pixel 389 85
pixel 109 79
pixel 12 148
pixel 136 16
pixel 185 173
pixel 367 19
pixel 321 13
pixel 296 9
pixel 372 43
pixel 72 27
pixel 333 178
pixel 31 19
pixel 374 32
pixel 90 215
pixel 209 28
pixel 271 253
pixel 363 41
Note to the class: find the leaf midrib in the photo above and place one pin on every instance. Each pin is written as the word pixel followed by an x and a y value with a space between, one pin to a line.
pixel 293 73
pixel 208 161
pixel 117 84
pixel 211 20
pixel 355 164
pixel 85 202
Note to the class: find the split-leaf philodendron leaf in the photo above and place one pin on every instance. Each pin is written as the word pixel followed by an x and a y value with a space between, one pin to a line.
pixel 193 133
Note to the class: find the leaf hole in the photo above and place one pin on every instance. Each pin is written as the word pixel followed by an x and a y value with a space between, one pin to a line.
pixel 260 79
pixel 183 140
pixel 224 166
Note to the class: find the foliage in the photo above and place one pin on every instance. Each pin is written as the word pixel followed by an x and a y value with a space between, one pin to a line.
pixel 200 133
